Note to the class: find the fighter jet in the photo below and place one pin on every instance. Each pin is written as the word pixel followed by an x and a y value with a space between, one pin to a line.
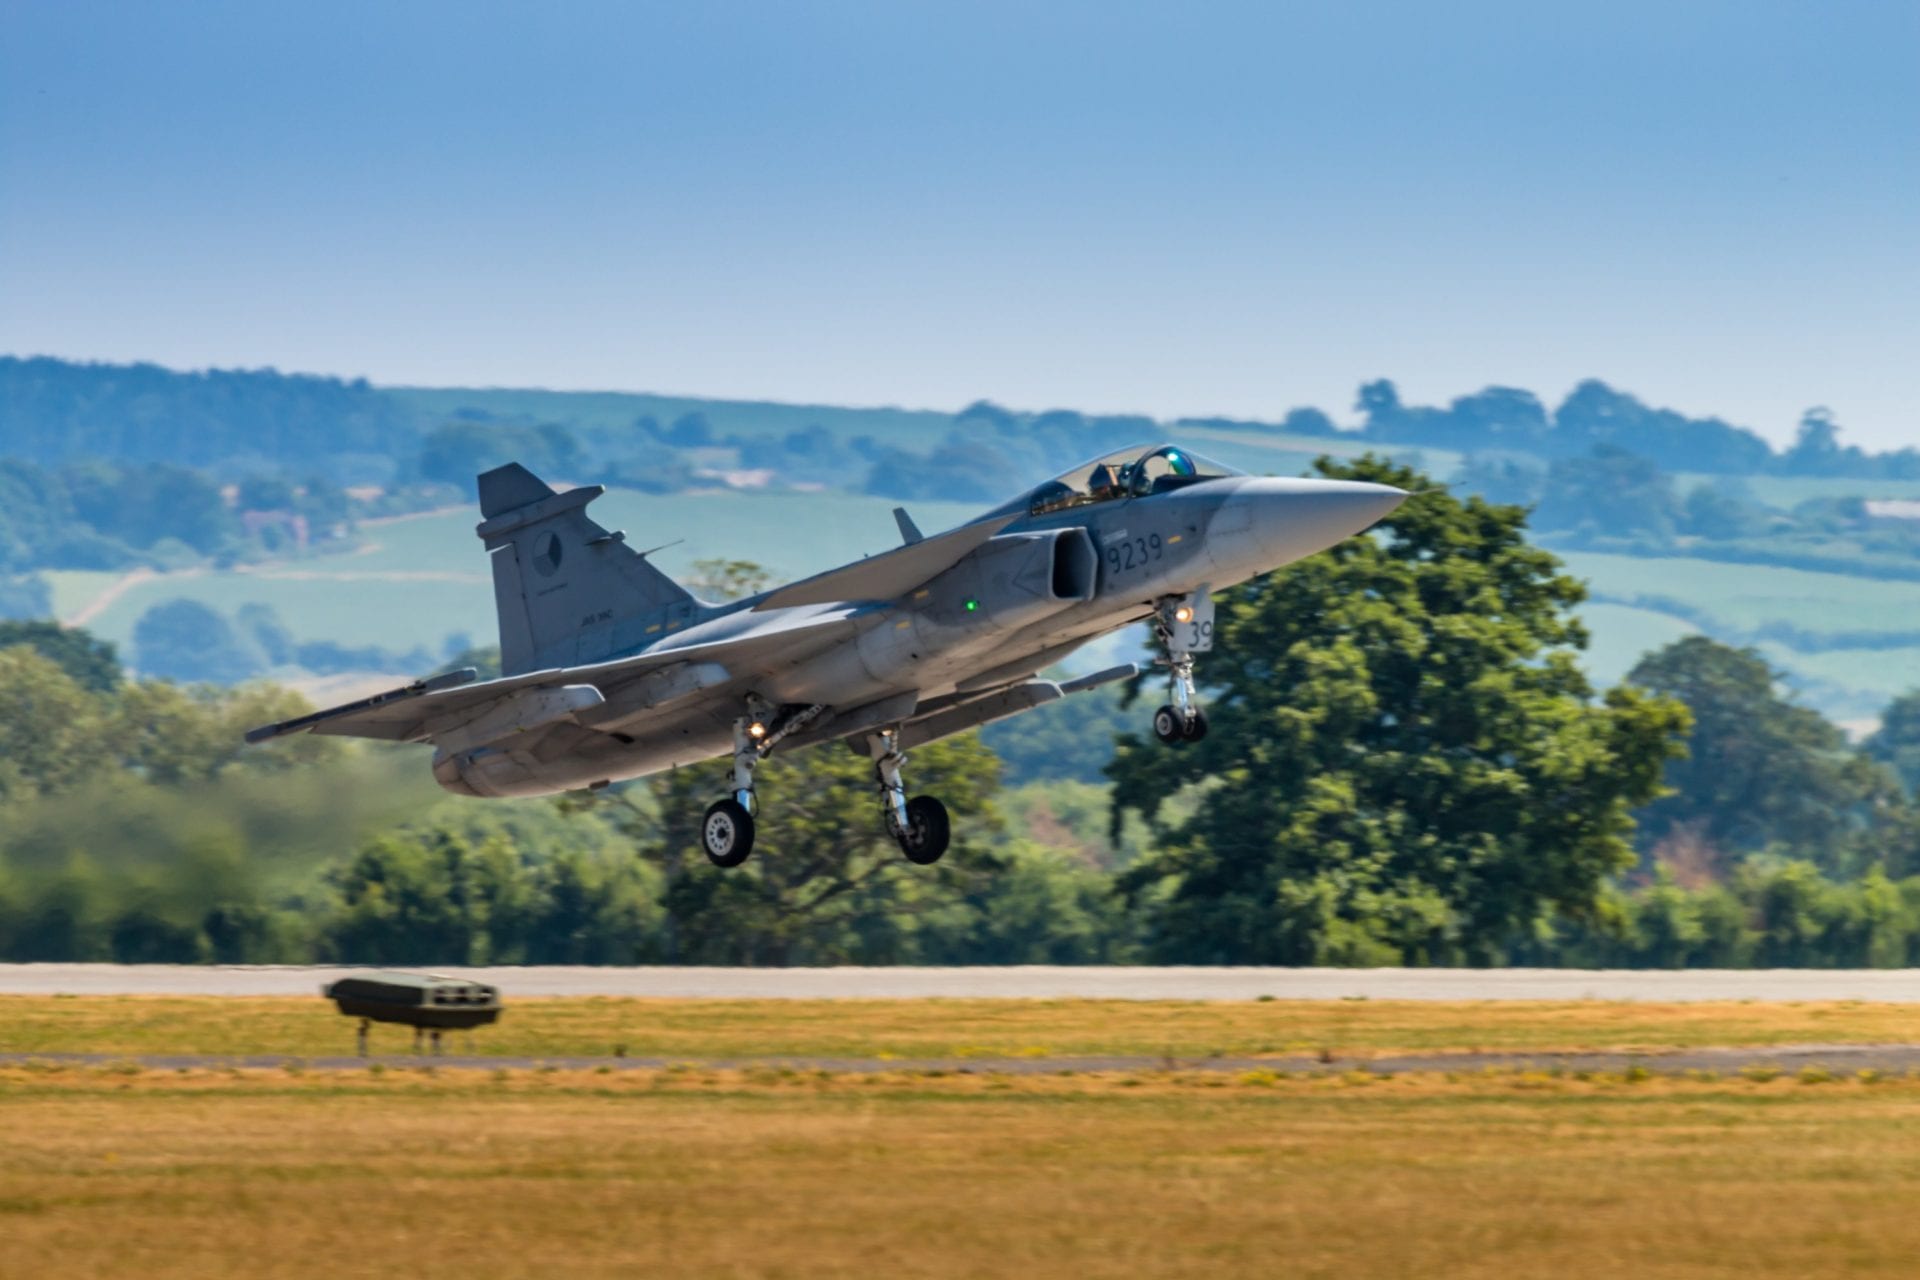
pixel 611 670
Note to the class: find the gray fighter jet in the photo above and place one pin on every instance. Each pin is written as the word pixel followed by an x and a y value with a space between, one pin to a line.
pixel 612 670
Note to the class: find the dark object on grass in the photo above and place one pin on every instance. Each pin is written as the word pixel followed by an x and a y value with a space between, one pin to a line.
pixel 422 1001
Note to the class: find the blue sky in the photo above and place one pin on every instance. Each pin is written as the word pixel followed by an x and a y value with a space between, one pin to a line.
pixel 1175 209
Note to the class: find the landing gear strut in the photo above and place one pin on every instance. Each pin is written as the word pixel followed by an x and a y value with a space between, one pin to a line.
pixel 726 832
pixel 1185 627
pixel 919 826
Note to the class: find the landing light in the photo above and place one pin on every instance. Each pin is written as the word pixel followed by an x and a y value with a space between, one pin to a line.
pixel 757 730
pixel 1183 614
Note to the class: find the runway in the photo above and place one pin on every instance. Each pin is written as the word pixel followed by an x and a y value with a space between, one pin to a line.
pixel 1837 1059
pixel 1016 982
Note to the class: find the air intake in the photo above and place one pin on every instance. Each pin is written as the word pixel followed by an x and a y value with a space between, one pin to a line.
pixel 1075 565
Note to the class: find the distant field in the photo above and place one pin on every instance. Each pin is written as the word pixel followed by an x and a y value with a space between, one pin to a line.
pixel 73 588
pixel 1788 492
pixel 426 577
pixel 1873 675
pixel 1747 596
pixel 1845 683
pixel 676 1028
pixel 1622 635
pixel 477 1174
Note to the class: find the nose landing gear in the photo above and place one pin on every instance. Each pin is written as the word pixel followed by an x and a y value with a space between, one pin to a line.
pixel 1185 627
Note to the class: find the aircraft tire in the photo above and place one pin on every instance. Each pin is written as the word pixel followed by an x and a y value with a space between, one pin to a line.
pixel 1197 727
pixel 928 831
pixel 726 833
pixel 1167 726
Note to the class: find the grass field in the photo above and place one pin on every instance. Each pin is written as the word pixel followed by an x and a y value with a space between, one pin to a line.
pixel 671 1028
pixel 286 1173
pixel 783 1172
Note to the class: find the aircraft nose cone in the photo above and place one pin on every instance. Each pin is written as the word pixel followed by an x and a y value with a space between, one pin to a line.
pixel 1266 523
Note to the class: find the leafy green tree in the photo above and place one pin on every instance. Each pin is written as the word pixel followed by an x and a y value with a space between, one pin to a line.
pixel 174 735
pixel 1039 906
pixel 460 451
pixel 595 910
pixel 1760 769
pixel 1610 492
pixel 186 640
pixel 719 579
pixel 1896 743
pixel 1075 819
pixel 1713 512
pixel 1501 477
pixel 825 884
pixel 143 505
pixel 53 733
pixel 265 493
pixel 90 661
pixel 1072 738
pixel 408 899
pixel 1817 450
pixel 1405 764
pixel 484 658
pixel 24 597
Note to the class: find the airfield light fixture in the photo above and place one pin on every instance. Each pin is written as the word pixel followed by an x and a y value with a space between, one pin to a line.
pixel 428 1003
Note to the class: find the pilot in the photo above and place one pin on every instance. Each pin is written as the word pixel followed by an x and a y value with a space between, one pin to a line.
pixel 1104 483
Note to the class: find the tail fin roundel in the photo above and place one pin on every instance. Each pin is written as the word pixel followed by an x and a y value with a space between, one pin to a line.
pixel 568 592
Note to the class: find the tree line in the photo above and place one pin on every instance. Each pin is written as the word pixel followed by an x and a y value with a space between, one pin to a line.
pixel 113 466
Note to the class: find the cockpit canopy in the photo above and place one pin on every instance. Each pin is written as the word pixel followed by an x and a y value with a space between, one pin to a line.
pixel 1136 472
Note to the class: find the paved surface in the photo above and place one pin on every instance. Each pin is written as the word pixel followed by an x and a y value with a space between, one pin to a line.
pixel 1111 983
pixel 1838 1058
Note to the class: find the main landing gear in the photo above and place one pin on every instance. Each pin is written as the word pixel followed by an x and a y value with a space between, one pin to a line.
pixel 919 826
pixel 726 833
pixel 1185 627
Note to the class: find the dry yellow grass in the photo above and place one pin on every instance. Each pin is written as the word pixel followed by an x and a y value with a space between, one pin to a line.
pixel 949 1028
pixel 762 1173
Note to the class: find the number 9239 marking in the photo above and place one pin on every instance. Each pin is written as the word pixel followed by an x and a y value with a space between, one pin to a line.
pixel 1134 553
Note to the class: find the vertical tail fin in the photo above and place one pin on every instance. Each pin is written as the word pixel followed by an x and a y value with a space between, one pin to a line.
pixel 568 592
